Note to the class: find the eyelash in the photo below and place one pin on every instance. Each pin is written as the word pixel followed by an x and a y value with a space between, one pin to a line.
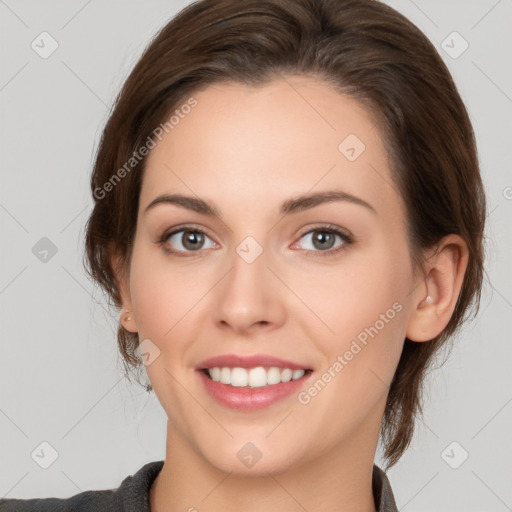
pixel 326 228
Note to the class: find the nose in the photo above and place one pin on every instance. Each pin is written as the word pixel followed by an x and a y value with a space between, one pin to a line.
pixel 250 297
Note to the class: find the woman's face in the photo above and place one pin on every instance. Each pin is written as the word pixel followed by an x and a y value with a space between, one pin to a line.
pixel 320 285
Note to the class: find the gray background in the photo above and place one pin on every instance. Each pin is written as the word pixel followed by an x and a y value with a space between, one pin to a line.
pixel 60 376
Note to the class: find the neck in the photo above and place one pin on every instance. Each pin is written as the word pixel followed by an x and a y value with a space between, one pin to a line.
pixel 339 480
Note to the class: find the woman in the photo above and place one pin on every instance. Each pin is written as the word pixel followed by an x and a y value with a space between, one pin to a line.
pixel 289 211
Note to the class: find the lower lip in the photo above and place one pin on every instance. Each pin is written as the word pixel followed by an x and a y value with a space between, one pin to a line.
pixel 251 399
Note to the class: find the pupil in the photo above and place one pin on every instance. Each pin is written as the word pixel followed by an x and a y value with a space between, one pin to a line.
pixel 192 240
pixel 322 238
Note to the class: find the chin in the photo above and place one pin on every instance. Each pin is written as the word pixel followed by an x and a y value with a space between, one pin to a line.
pixel 260 468
pixel 252 458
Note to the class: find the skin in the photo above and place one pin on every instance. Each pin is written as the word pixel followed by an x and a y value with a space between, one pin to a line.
pixel 246 150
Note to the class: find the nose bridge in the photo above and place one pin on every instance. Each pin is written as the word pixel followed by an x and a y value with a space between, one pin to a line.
pixel 247 295
pixel 250 250
pixel 247 279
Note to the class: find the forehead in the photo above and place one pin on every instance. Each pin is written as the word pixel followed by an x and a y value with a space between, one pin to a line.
pixel 254 145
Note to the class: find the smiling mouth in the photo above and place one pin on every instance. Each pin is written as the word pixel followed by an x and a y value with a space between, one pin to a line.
pixel 256 377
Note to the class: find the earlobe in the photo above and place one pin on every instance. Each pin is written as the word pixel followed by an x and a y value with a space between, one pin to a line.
pixel 428 300
pixel 432 305
pixel 127 317
pixel 423 324
pixel 128 321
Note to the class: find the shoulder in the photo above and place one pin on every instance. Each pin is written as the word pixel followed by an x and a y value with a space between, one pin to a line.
pixel 382 492
pixel 85 501
pixel 131 495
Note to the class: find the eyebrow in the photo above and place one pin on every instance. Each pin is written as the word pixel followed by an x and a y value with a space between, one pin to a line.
pixel 288 207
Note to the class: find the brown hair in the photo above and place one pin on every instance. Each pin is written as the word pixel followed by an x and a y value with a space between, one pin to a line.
pixel 364 49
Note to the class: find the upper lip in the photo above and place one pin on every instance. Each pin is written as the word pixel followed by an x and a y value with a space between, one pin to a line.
pixel 237 361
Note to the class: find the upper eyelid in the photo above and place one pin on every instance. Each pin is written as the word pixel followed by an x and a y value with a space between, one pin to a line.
pixel 327 227
pixel 346 237
pixel 186 227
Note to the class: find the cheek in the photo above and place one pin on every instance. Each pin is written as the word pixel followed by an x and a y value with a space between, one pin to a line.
pixel 164 299
pixel 359 360
pixel 162 294
pixel 366 291
pixel 364 307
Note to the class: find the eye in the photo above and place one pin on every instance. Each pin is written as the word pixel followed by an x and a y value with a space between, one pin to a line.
pixel 322 239
pixel 185 240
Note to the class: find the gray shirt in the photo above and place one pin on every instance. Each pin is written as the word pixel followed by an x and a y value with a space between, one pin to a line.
pixel 133 496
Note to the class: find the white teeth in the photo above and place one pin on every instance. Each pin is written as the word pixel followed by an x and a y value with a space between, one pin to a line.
pixel 297 374
pixel 257 377
pixel 286 375
pixel 254 377
pixel 273 376
pixel 215 374
pixel 225 375
pixel 239 377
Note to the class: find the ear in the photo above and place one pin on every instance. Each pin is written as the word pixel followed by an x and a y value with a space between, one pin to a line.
pixel 435 298
pixel 127 316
